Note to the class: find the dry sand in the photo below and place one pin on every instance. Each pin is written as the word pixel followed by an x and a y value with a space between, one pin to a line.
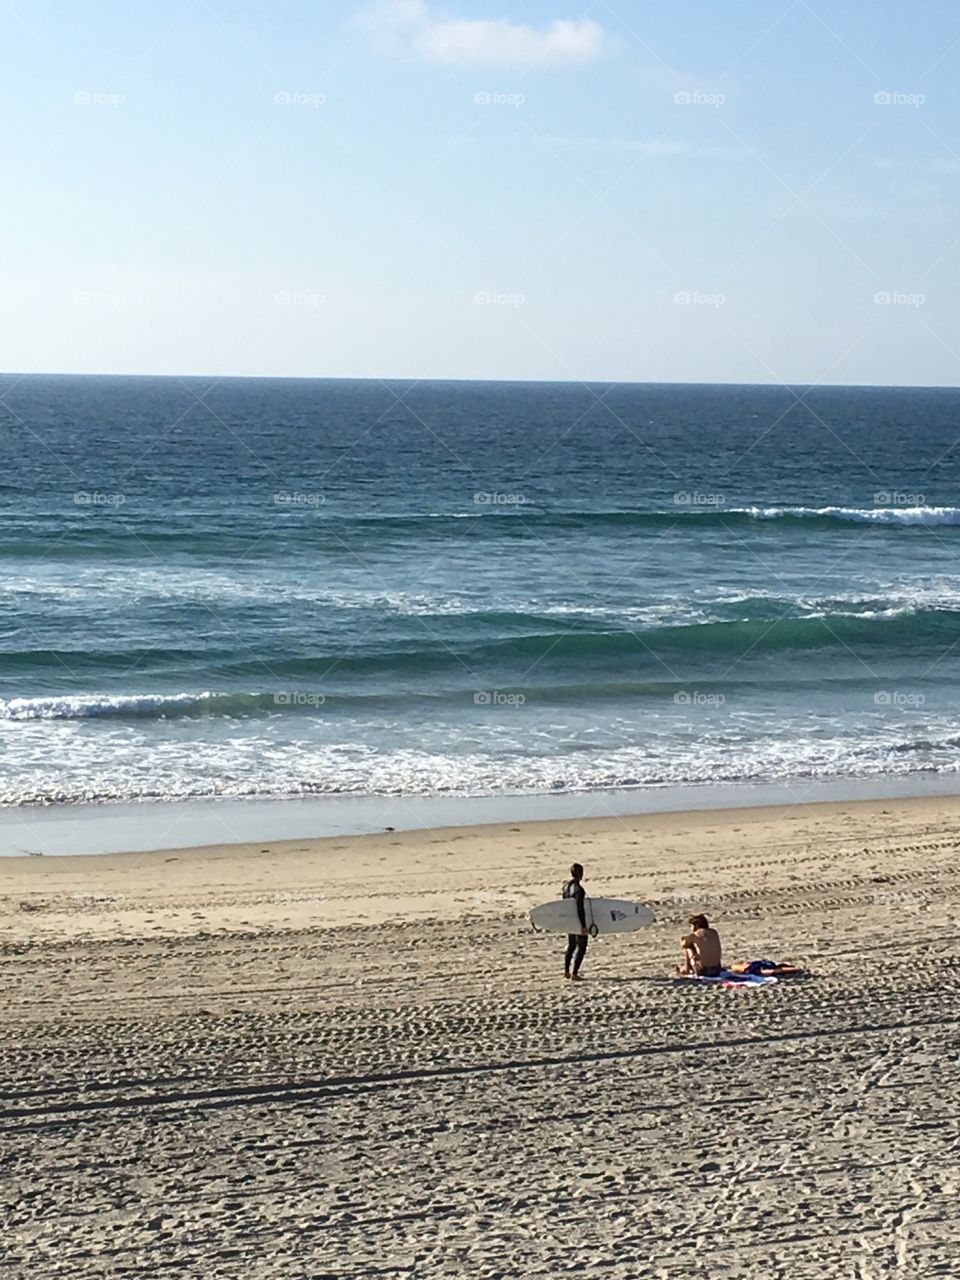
pixel 353 1058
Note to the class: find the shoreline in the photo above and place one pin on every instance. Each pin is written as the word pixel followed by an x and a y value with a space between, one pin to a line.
pixel 91 830
pixel 676 862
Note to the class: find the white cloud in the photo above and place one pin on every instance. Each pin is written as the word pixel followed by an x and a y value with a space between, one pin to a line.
pixel 412 26
pixel 506 44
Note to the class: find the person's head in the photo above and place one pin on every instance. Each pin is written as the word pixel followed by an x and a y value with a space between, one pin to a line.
pixel 576 871
pixel 699 922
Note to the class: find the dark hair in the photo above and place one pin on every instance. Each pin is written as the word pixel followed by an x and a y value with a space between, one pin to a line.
pixel 699 922
pixel 576 871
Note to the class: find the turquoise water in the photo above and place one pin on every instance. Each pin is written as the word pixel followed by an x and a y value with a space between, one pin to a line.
pixel 290 587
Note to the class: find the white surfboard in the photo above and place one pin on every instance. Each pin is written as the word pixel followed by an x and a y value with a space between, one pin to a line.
pixel 604 915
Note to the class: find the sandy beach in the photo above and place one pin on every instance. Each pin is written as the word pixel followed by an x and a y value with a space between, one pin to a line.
pixel 352 1057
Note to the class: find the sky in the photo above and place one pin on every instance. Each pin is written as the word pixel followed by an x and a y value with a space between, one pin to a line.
pixel 752 191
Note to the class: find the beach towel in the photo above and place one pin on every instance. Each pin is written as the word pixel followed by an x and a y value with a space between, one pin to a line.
pixel 728 978
pixel 766 968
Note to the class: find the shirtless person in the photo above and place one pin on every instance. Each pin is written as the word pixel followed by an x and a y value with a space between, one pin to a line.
pixel 701 949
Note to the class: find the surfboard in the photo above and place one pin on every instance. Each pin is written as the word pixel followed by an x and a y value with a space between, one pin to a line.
pixel 604 915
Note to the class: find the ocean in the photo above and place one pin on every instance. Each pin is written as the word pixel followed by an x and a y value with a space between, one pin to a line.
pixel 269 587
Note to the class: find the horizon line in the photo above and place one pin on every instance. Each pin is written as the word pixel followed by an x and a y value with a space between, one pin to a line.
pixel 555 382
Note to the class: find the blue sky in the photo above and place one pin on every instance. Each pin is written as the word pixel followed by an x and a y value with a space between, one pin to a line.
pixel 751 191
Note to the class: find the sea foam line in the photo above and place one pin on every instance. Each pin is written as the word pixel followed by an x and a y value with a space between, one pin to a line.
pixel 857 515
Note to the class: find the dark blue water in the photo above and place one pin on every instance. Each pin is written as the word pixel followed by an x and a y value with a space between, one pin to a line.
pixel 243 587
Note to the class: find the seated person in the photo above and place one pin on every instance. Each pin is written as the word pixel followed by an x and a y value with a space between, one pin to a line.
pixel 701 949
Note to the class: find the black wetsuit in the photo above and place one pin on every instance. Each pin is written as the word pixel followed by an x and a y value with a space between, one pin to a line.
pixel 576 942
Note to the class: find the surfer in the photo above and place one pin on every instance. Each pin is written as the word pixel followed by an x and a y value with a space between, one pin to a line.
pixel 576 942
pixel 701 949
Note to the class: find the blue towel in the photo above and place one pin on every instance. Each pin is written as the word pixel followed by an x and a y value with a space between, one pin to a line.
pixel 756 965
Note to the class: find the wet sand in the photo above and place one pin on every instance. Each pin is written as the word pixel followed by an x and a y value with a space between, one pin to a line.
pixel 352 1057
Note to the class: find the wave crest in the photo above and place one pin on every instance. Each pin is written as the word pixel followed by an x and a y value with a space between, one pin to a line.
pixel 85 706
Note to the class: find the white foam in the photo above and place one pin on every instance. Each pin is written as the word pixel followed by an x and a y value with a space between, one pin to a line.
pixel 65 761
pixel 85 706
pixel 859 515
